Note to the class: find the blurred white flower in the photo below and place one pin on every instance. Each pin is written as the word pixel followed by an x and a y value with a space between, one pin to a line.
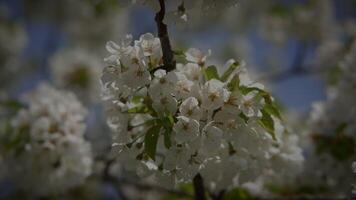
pixel 196 56
pixel 79 71
pixel 54 155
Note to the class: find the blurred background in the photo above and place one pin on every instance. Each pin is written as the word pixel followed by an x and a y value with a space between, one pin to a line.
pixel 292 46
pixel 283 41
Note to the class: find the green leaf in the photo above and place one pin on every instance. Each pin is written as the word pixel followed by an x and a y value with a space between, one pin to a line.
pixel 341 147
pixel 12 104
pixel 341 128
pixel 229 71
pixel 211 73
pixel 167 123
pixel 138 109
pixel 238 194
pixel 270 107
pixel 167 138
pixel 272 110
pixel 178 52
pixel 244 117
pixel 333 75
pixel 151 139
pixel 245 90
pixel 187 187
pixel 280 10
pixel 137 99
pixel 234 84
pixel 267 122
pixel 16 139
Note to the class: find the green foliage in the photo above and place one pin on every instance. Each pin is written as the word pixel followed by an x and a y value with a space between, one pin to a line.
pixel 12 104
pixel 139 109
pixel 341 147
pixel 167 123
pixel 187 187
pixel 280 10
pixel 102 6
pixel 137 99
pixel 211 73
pixel 80 77
pixel 244 117
pixel 333 75
pixel 229 71
pixel 238 194
pixel 151 139
pixel 267 122
pixel 270 109
pixel 13 140
pixel 245 90
pixel 234 84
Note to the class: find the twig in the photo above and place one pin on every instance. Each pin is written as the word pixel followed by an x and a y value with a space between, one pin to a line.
pixel 168 56
pixel 199 189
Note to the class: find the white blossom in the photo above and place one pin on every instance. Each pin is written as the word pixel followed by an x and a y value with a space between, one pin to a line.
pixel 196 56
pixel 55 156
pixel 186 129
pixel 190 108
pixel 214 95
pixel 200 125
pixel 331 138
pixel 77 70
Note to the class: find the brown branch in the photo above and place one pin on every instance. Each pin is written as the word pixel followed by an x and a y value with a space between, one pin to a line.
pixel 168 56
pixel 199 189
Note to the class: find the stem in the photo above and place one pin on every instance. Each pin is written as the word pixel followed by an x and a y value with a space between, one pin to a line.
pixel 199 189
pixel 168 56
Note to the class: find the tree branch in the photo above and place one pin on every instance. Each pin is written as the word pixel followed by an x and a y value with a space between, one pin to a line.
pixel 199 189
pixel 168 56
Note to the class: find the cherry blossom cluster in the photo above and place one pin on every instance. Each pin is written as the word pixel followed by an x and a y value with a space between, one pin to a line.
pixel 171 125
pixel 46 152
pixel 10 51
pixel 333 132
pixel 79 71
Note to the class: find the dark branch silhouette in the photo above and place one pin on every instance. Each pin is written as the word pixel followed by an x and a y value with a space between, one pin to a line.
pixel 199 189
pixel 168 56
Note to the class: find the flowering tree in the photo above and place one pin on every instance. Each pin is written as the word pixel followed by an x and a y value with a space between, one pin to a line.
pixel 174 122
pixel 183 120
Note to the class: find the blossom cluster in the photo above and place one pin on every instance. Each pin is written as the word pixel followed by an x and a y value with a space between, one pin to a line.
pixel 171 125
pixel 77 70
pixel 333 132
pixel 46 152
pixel 10 52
